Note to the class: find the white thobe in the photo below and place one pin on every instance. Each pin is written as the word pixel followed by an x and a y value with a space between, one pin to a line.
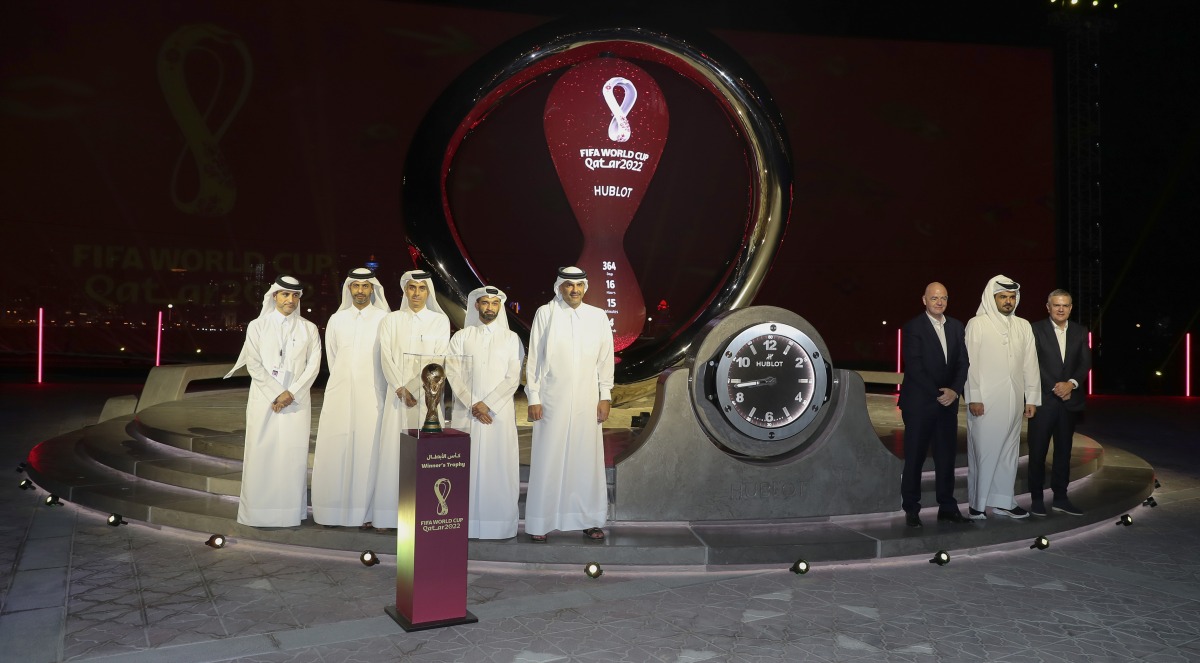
pixel 343 476
pixel 403 336
pixel 1003 375
pixel 282 354
pixel 491 375
pixel 570 371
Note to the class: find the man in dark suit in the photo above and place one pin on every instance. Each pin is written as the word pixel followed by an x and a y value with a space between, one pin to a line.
pixel 1064 360
pixel 935 371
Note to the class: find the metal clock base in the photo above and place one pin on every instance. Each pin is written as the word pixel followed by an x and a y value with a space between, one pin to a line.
pixel 682 468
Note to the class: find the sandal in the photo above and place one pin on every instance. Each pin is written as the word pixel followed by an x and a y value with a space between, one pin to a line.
pixel 594 533
pixel 366 527
pixel 537 538
pixel 384 530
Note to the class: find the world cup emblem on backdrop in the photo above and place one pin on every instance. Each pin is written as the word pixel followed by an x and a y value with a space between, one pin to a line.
pixel 606 124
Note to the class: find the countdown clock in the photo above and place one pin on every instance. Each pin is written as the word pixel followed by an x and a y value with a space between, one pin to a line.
pixel 765 380
pixel 764 384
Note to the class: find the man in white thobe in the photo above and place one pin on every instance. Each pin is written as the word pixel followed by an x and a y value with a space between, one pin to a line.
pixel 568 381
pixel 483 365
pixel 282 353
pixel 343 476
pixel 407 339
pixel 1003 385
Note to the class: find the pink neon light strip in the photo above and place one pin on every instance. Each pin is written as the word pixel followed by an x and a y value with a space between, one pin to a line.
pixel 1187 364
pixel 41 324
pixel 1089 370
pixel 158 343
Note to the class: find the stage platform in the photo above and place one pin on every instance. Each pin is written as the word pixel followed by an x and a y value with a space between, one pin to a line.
pixel 177 464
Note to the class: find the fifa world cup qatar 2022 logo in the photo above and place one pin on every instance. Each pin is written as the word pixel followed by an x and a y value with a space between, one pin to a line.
pixel 606 124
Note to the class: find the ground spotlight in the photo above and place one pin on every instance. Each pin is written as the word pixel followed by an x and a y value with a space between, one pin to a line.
pixel 1041 543
pixel 593 570
pixel 1157 484
pixel 368 558
pixel 942 558
pixel 1125 520
pixel 20 468
pixel 116 520
pixel 26 484
pixel 800 567
pixel 52 500
pixel 1150 501
pixel 215 541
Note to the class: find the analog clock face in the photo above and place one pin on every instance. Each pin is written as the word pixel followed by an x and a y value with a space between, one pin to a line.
pixel 769 381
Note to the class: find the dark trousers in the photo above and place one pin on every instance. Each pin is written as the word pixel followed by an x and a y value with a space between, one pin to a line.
pixel 935 430
pixel 1052 420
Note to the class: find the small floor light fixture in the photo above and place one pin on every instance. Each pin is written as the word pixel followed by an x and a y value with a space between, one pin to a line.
pixel 115 520
pixel 942 558
pixel 20 468
pixel 593 570
pixel 800 567
pixel 1157 484
pixel 26 484
pixel 52 500
pixel 1041 543
pixel 1125 520
pixel 215 541
pixel 368 558
pixel 1150 502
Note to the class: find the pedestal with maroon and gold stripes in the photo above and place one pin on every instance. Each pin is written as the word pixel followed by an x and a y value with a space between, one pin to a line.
pixel 431 540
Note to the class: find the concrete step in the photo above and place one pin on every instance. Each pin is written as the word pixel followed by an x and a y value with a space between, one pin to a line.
pixel 174 466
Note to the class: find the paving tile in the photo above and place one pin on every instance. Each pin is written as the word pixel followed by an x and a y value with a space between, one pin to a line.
pixel 301 656
pixel 370 650
pixel 37 588
pixel 32 635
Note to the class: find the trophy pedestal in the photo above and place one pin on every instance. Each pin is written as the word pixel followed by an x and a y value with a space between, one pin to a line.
pixel 431 540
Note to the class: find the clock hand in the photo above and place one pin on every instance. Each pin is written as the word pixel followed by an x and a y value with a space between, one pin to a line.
pixel 768 381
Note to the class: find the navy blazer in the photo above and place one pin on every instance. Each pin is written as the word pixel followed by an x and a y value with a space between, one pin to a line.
pixel 1055 369
pixel 926 369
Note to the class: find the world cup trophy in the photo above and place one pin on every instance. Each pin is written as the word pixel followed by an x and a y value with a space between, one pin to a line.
pixel 433 381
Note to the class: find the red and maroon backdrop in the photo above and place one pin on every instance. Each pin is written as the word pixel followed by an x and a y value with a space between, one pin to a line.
pixel 181 154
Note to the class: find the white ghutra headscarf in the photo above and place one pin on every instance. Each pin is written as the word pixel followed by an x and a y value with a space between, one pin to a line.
pixel 364 275
pixel 473 313
pixel 987 304
pixel 431 301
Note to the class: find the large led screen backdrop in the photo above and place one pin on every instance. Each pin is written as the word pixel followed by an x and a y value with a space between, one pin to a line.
pixel 175 156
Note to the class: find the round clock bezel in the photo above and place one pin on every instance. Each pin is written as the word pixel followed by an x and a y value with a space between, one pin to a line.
pixel 816 373
pixel 702 363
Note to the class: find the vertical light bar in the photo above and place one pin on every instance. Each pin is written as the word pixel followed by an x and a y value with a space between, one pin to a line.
pixel 898 341
pixel 1089 370
pixel 158 343
pixel 1187 364
pixel 41 324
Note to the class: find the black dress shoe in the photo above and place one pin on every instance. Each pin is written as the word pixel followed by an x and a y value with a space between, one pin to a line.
pixel 952 516
pixel 912 519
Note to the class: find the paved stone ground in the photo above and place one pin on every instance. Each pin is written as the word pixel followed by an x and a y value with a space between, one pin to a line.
pixel 74 589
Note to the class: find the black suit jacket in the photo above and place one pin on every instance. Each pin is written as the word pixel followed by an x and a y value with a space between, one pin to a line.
pixel 926 369
pixel 1055 368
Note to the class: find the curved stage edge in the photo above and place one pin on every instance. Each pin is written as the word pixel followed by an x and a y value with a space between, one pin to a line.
pixel 177 464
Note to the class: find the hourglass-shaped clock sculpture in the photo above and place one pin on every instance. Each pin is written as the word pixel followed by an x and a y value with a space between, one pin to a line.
pixel 606 124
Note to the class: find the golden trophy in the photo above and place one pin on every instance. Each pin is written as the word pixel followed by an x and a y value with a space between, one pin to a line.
pixel 433 381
